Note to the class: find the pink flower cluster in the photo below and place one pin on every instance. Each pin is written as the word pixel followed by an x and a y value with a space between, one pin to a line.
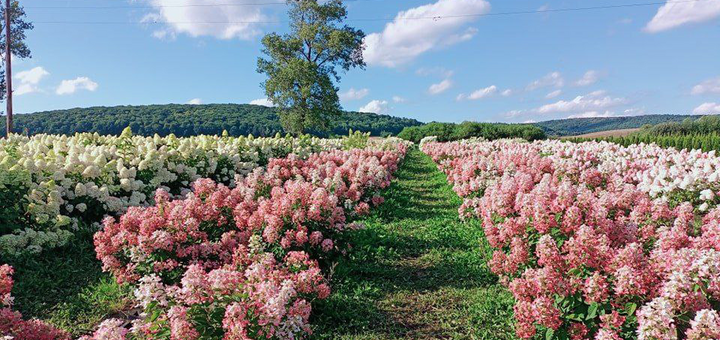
pixel 249 253
pixel 294 204
pixel 585 250
pixel 252 297
pixel 12 325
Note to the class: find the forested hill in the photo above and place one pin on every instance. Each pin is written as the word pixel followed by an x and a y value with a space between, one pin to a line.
pixel 579 126
pixel 188 120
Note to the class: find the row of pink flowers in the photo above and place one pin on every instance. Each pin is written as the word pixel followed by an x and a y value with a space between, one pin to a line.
pixel 588 251
pixel 242 261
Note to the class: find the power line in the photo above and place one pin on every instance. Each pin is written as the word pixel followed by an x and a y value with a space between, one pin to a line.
pixel 176 6
pixel 440 17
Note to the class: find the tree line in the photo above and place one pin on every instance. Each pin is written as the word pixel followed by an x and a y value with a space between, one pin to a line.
pixel 189 120
pixel 450 132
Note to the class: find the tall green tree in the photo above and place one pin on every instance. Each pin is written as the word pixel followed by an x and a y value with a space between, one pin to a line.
pixel 303 65
pixel 18 26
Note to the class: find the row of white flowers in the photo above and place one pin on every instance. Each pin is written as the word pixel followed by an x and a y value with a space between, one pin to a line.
pixel 49 184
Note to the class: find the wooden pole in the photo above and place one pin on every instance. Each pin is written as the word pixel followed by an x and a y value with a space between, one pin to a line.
pixel 8 69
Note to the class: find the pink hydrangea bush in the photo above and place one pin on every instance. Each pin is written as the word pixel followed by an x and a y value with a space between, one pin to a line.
pixel 583 244
pixel 12 324
pixel 242 262
pixel 295 205
pixel 252 297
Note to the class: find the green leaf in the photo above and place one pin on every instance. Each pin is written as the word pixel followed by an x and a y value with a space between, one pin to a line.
pixel 592 311
pixel 630 308
pixel 549 334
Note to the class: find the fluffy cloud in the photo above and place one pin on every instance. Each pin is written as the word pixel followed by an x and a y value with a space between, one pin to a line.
pixel 398 99
pixel 708 86
pixel 262 102
pixel 554 79
pixel 553 94
pixel 440 87
pixel 353 94
pixel 589 78
pixel 422 29
pixel 480 94
pixel 707 108
pixel 507 93
pixel 596 101
pixel 677 13
pixel 203 18
pixel 29 80
pixel 594 104
pixel 70 86
pixel 195 101
pixel 376 106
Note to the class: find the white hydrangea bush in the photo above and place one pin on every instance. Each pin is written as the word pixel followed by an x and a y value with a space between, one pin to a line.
pixel 49 184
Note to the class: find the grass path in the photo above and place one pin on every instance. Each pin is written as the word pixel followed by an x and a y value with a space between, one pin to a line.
pixel 417 271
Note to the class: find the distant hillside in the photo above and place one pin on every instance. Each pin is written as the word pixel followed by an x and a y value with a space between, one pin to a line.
pixel 580 126
pixel 187 120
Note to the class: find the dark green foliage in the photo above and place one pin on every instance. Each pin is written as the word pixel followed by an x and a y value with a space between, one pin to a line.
pixel 702 133
pixel 702 126
pixel 302 65
pixel 579 126
pixel 706 142
pixel 450 132
pixel 191 120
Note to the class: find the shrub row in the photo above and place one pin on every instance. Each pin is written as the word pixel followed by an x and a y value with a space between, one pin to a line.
pixel 594 240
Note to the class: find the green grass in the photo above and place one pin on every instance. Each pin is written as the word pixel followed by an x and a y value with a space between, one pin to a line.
pixel 67 288
pixel 417 271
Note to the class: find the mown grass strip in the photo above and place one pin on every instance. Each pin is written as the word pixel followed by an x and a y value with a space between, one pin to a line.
pixel 417 271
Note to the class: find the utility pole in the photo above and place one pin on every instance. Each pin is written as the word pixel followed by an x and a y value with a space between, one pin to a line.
pixel 8 68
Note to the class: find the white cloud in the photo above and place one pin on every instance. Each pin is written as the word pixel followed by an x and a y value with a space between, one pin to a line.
pixel 479 94
pixel 589 78
pixel 203 18
pixel 375 106
pixel 592 102
pixel 353 94
pixel 553 94
pixel 507 93
pixel 677 13
pixel 70 86
pixel 195 101
pixel 29 80
pixel 440 87
pixel 707 108
pixel 262 102
pixel 708 86
pixel 530 121
pixel 422 29
pixel 398 99
pixel 593 114
pixel 554 79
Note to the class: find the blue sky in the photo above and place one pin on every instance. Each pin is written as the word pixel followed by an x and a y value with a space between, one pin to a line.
pixel 661 58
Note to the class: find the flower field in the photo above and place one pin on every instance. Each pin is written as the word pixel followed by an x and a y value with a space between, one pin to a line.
pixel 243 259
pixel 283 238
pixel 66 182
pixel 595 240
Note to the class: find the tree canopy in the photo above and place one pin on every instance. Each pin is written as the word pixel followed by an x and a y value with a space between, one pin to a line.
pixel 18 26
pixel 302 66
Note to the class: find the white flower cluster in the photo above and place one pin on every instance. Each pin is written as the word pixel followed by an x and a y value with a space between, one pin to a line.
pixel 51 183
